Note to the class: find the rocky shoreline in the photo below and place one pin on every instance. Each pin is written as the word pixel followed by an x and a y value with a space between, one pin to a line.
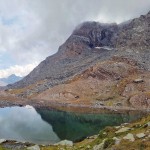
pixel 81 108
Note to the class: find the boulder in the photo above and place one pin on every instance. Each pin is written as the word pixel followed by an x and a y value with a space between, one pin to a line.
pixel 117 140
pixel 140 135
pixel 124 129
pixel 35 147
pixel 129 137
pixel 65 142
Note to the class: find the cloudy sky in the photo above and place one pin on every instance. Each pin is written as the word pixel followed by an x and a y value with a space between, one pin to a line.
pixel 31 30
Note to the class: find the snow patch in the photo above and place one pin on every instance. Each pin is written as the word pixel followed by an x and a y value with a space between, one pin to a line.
pixel 104 47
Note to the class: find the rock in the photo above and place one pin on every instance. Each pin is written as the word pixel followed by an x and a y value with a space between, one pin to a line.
pixel 129 137
pixel 125 124
pixel 104 133
pixel 118 104
pixel 2 141
pixel 98 147
pixel 117 127
pixel 35 147
pixel 88 146
pixel 138 81
pixel 146 125
pixel 92 137
pixel 124 129
pixel 117 140
pixel 140 135
pixel 65 142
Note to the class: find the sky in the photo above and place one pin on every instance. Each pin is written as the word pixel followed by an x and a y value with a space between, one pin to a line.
pixel 31 30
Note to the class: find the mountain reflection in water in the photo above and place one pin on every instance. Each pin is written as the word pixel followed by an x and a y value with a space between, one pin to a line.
pixel 74 127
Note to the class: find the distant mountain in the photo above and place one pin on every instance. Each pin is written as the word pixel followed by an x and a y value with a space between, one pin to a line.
pixel 2 83
pixel 9 80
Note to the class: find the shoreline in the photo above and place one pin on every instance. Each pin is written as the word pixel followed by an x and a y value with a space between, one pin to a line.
pixel 75 108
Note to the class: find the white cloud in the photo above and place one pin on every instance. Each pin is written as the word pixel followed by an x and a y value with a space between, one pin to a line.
pixel 18 70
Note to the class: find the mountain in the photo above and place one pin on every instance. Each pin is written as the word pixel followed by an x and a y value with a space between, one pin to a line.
pixel 106 64
pixel 2 83
pixel 9 80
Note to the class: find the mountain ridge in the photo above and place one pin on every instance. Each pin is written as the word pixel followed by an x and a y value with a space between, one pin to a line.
pixel 100 52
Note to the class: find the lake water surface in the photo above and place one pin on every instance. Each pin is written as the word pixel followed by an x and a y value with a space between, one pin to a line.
pixel 27 124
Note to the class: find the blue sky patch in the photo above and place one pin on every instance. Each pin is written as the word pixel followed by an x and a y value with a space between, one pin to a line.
pixel 9 21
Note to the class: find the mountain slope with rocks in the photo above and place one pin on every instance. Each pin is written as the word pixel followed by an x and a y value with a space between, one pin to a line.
pixel 99 64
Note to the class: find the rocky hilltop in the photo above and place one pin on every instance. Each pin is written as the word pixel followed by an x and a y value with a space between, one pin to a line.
pixel 98 65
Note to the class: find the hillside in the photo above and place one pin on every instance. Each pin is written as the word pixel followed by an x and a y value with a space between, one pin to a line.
pixel 99 64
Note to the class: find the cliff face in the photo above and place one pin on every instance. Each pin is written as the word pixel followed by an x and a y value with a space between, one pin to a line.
pixel 101 62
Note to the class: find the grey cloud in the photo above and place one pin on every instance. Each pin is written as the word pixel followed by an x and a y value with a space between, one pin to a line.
pixel 43 25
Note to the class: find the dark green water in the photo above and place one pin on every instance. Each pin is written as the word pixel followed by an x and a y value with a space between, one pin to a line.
pixel 51 126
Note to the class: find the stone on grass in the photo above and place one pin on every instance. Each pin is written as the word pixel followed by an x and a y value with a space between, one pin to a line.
pixel 100 146
pixel 124 129
pixel 117 127
pixel 65 142
pixel 129 137
pixel 140 135
pixel 89 147
pixel 146 125
pixel 117 140
pixel 35 147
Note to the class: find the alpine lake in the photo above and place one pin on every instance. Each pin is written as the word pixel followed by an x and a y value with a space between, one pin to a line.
pixel 49 126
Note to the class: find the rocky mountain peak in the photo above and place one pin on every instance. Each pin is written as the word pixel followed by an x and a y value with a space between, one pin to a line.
pixel 89 35
pixel 133 34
